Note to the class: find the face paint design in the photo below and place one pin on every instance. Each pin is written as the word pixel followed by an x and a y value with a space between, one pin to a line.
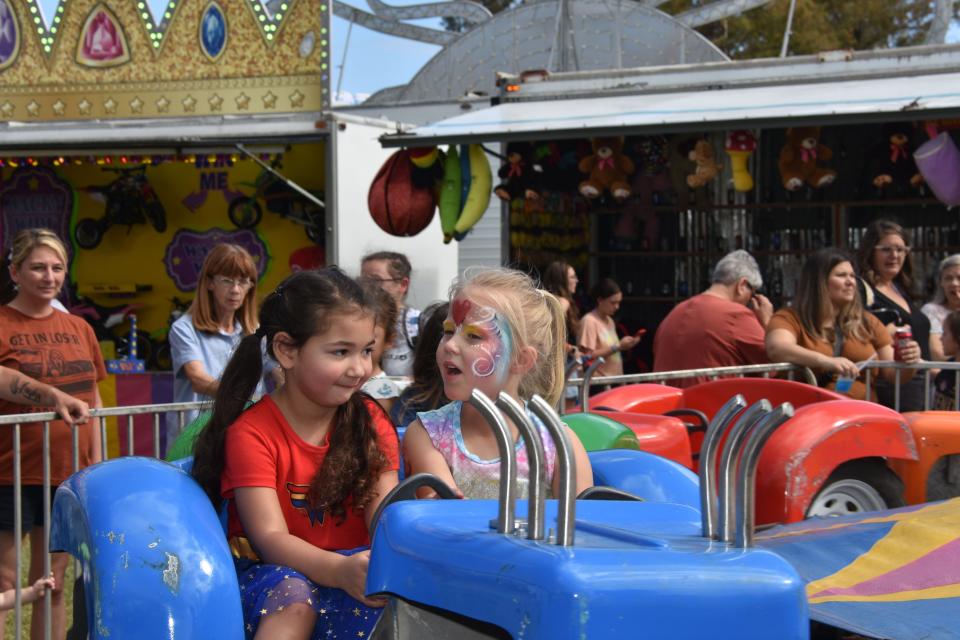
pixel 486 334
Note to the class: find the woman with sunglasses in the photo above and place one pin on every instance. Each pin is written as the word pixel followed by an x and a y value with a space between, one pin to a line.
pixel 202 340
pixel 886 284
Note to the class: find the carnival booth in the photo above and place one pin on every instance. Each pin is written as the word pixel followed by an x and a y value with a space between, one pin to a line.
pixel 145 140
pixel 650 175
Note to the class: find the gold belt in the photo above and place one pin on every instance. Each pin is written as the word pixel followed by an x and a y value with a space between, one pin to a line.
pixel 241 548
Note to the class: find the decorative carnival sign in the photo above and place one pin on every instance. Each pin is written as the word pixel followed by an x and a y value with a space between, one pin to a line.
pixel 185 253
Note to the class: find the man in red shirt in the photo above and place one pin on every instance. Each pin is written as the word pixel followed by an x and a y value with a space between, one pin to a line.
pixel 723 326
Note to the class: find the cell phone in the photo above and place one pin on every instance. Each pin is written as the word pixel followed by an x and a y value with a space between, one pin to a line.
pixel 640 333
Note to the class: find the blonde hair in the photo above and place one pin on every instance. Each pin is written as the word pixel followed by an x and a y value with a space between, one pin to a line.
pixel 29 239
pixel 231 261
pixel 535 318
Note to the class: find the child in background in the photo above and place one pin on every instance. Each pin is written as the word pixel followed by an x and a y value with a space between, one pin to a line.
pixel 29 594
pixel 379 386
pixel 944 394
pixel 304 469
pixel 500 334
pixel 426 390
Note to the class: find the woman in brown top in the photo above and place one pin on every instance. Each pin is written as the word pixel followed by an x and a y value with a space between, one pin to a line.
pixel 827 329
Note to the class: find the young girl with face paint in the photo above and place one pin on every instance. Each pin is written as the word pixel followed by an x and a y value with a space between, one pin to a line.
pixel 501 333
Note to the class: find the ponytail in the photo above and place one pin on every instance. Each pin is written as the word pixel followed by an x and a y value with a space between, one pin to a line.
pixel 237 384
pixel 554 356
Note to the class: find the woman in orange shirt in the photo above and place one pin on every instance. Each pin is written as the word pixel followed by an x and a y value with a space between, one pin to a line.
pixel 827 329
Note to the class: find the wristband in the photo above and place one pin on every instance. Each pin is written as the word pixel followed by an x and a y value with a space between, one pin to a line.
pixel 615 348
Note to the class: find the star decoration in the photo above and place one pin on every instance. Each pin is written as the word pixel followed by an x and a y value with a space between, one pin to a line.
pixel 356 611
pixel 110 105
pixel 243 101
pixel 263 612
pixel 296 99
pixel 136 105
pixel 215 102
pixel 7 109
pixel 189 104
pixel 85 106
pixel 59 108
pixel 33 108
pixel 269 100
pixel 163 105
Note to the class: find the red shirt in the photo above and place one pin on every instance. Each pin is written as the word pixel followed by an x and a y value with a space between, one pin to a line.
pixel 708 331
pixel 263 450
pixel 62 351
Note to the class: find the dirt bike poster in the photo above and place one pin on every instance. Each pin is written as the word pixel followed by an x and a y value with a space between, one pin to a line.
pixel 185 253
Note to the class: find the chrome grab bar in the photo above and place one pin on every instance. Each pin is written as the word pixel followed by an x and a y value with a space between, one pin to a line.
pixel 585 386
pixel 747 472
pixel 508 460
pixel 566 467
pixel 708 462
pixel 536 497
pixel 729 457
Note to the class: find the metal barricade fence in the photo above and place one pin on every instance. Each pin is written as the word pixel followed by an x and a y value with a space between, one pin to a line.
pixel 928 369
pixel 99 419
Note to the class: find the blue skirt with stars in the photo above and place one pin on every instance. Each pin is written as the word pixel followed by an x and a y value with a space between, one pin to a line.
pixel 269 588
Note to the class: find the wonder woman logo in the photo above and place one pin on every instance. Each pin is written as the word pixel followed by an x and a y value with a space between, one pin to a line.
pixel 917 559
pixel 298 499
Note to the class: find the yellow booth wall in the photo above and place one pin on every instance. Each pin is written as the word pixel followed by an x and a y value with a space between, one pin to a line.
pixel 135 255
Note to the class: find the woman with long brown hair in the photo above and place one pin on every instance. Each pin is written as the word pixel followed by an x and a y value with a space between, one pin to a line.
pixel 886 283
pixel 827 329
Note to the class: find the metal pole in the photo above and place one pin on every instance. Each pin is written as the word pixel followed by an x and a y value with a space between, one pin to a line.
pixel 508 459
pixel 729 458
pixel 789 29
pixel 708 462
pixel 566 467
pixel 343 60
pixel 536 479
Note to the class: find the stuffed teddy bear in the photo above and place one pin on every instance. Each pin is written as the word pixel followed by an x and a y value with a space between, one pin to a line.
pixel 519 176
pixel 649 184
pixel 892 168
pixel 706 165
pixel 799 157
pixel 608 169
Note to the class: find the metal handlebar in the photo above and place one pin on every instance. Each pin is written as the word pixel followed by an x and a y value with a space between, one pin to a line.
pixel 585 386
pixel 536 497
pixel 708 462
pixel 747 472
pixel 728 465
pixel 566 467
pixel 508 460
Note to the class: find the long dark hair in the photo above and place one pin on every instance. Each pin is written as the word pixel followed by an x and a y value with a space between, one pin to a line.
pixel 300 306
pixel 554 280
pixel 426 390
pixel 813 305
pixel 877 231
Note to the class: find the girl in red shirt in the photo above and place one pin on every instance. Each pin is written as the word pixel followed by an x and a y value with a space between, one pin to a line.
pixel 304 469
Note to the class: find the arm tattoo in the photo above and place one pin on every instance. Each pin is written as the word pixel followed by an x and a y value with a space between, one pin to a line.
pixel 18 388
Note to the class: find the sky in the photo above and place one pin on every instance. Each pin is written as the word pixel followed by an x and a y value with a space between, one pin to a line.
pixel 374 60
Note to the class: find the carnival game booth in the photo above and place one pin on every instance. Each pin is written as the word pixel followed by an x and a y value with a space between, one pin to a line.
pixel 145 140
pixel 650 175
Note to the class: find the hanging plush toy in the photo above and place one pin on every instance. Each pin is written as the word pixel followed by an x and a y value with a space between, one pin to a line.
pixel 707 168
pixel 428 165
pixel 799 159
pixel 608 169
pixel 520 177
pixel 740 145
pixel 892 168
pixel 650 155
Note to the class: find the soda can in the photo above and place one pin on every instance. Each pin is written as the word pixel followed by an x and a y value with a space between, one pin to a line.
pixel 902 336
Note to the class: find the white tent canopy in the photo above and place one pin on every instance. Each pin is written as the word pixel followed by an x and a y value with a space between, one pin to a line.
pixel 701 109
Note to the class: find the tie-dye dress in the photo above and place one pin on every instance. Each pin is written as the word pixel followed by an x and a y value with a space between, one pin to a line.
pixel 476 477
